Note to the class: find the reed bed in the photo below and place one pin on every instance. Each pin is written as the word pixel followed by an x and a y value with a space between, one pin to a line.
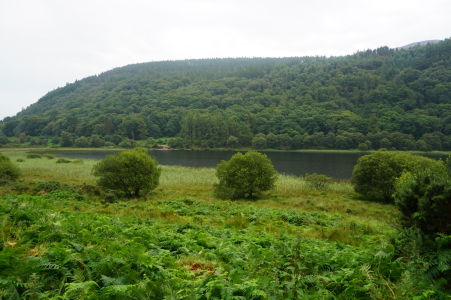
pixel 79 172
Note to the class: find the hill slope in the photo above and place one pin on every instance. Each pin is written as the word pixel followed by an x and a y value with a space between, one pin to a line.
pixel 422 43
pixel 377 98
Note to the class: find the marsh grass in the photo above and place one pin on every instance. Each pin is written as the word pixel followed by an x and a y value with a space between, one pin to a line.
pixel 177 175
pixel 287 185
pixel 176 182
pixel 184 230
pixel 49 170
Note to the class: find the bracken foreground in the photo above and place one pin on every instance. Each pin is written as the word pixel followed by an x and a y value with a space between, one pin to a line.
pixel 61 241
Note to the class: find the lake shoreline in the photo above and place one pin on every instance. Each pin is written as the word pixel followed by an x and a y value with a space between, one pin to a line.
pixel 223 149
pixel 335 164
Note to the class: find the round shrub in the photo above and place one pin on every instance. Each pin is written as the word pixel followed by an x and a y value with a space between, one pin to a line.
pixel 131 173
pixel 424 198
pixel 245 176
pixel 8 171
pixel 375 174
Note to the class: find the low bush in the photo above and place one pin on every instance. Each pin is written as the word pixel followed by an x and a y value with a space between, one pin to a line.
pixel 89 189
pixel 12 186
pixel 34 155
pixel 375 174
pixel 131 173
pixel 424 198
pixel 47 186
pixel 63 161
pixel 8 171
pixel 62 195
pixel 245 176
pixel 317 181
pixel 20 160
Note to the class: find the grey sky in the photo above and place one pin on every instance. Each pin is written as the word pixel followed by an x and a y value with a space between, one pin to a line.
pixel 46 43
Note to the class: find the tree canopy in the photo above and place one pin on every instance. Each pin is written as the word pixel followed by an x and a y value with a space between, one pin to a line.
pixel 132 173
pixel 382 98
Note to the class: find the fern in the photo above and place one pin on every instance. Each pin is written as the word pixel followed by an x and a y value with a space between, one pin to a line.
pixel 80 290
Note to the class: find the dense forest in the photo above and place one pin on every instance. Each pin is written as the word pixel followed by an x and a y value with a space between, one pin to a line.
pixel 383 98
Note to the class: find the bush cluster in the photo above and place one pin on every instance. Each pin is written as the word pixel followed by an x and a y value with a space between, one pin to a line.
pixel 424 198
pixel 420 187
pixel 133 173
pixel 375 174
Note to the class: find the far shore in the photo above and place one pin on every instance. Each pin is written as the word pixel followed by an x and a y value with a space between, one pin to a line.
pixel 41 149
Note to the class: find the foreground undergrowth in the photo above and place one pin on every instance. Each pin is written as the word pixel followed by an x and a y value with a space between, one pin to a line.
pixel 60 241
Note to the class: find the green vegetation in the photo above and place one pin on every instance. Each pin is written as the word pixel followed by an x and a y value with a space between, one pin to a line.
pixel 61 239
pixel 383 98
pixel 132 173
pixel 424 198
pixel 317 181
pixel 421 189
pixel 374 175
pixel 63 161
pixel 8 171
pixel 423 195
pixel 245 176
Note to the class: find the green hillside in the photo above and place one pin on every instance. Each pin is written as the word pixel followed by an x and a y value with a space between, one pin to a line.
pixel 383 98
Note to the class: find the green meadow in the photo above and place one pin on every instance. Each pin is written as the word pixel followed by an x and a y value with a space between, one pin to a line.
pixel 60 238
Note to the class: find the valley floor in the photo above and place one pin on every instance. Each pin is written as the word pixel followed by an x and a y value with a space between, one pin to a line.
pixel 61 240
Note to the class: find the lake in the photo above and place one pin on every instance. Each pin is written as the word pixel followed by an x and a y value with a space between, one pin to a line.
pixel 334 164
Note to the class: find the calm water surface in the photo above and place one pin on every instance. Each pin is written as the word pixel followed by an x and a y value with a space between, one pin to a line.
pixel 334 164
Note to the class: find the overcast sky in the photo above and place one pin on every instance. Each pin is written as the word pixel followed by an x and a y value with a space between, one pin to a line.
pixel 46 43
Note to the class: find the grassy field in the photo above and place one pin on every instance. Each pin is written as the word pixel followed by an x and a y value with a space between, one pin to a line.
pixel 60 240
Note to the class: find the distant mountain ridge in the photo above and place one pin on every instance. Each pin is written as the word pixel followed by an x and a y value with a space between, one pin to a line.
pixel 381 98
pixel 422 43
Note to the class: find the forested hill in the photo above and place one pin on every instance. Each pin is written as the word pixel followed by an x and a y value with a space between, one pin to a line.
pixel 383 98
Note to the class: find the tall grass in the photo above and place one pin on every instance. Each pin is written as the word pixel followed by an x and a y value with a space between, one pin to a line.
pixel 177 175
pixel 77 172
pixel 290 192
